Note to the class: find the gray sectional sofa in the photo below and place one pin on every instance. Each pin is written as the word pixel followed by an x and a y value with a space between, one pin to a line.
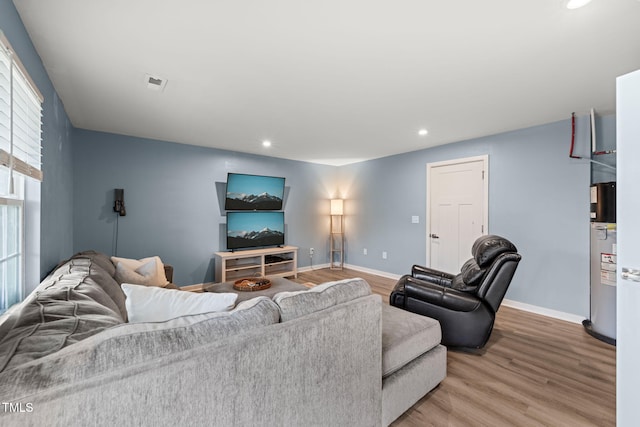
pixel 330 356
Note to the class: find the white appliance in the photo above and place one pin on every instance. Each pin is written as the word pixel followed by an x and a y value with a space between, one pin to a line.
pixel 602 322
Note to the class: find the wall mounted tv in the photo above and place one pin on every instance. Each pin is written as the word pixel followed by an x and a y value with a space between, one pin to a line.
pixel 254 229
pixel 254 192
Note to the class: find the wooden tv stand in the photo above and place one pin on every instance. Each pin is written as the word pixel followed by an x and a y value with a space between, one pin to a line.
pixel 281 262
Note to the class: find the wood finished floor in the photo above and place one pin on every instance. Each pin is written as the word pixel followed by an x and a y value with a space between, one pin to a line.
pixel 534 371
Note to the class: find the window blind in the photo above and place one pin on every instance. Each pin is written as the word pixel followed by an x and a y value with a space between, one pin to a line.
pixel 20 116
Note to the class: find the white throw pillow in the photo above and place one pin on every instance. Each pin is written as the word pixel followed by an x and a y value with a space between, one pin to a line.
pixel 153 304
pixel 146 271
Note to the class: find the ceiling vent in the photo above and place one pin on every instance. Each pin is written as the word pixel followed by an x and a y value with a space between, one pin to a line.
pixel 155 83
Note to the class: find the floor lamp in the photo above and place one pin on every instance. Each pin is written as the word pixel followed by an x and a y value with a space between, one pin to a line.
pixel 337 234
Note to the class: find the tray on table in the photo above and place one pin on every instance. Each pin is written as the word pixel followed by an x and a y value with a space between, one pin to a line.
pixel 249 284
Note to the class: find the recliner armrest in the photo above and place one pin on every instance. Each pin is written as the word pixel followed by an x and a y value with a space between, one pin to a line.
pixel 431 275
pixel 439 295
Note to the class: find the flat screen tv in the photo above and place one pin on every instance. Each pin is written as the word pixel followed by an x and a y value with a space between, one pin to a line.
pixel 254 192
pixel 254 229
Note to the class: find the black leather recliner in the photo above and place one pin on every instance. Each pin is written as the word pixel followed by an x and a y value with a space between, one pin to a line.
pixel 466 303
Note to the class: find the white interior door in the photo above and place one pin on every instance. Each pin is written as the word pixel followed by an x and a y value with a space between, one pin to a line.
pixel 457 210
pixel 628 212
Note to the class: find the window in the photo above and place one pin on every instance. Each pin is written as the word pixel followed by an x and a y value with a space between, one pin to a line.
pixel 11 242
pixel 20 158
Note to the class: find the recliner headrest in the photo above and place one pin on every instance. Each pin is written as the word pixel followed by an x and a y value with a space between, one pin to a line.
pixel 487 248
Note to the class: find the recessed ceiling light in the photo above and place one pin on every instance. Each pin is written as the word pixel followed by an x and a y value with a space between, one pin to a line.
pixel 266 143
pixel 575 4
pixel 423 132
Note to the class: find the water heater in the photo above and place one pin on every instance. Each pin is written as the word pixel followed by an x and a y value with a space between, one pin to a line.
pixel 602 320
pixel 603 202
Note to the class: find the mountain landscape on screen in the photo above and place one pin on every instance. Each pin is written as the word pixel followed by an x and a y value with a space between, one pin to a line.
pixel 264 237
pixel 263 201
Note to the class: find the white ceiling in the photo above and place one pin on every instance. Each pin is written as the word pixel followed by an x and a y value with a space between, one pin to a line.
pixel 331 81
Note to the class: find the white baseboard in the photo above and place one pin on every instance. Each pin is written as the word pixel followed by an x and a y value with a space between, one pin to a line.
pixel 313 267
pixel 372 271
pixel 573 318
pixel 352 267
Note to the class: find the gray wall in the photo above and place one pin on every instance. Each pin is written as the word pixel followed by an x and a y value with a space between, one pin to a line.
pixel 56 193
pixel 538 198
pixel 174 200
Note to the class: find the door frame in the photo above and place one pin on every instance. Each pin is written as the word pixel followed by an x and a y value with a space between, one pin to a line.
pixel 485 214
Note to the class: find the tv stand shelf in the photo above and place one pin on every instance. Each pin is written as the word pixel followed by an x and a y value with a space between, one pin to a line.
pixel 281 262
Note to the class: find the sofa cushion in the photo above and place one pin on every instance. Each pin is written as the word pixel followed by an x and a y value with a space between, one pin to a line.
pixel 405 336
pixel 68 306
pixel 297 304
pixel 153 304
pixel 137 344
pixel 146 271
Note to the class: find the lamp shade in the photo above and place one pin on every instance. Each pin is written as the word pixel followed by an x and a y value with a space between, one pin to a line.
pixel 337 207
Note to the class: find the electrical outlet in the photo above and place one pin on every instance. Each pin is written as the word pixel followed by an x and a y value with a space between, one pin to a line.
pixel 311 251
pixel 384 255
pixel 364 251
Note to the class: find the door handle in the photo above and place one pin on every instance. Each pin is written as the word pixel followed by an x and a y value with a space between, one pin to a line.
pixel 434 236
pixel 631 274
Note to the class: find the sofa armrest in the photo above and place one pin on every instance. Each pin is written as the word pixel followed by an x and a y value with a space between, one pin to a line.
pixel 442 296
pixel 431 275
